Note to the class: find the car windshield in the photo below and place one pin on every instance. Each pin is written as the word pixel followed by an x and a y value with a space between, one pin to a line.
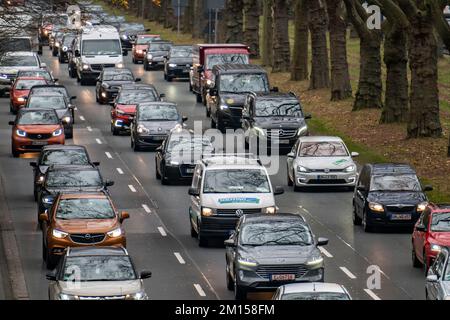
pixel 243 82
pixel 131 27
pixel 181 53
pixel 118 76
pixel 136 96
pixel 397 182
pixel 158 113
pixel 56 90
pixel 38 117
pixel 159 46
pixel 315 296
pixel 85 208
pixel 27 84
pixel 101 47
pixel 72 178
pixel 35 73
pixel 323 149
pixel 18 61
pixel 189 147
pixel 441 222
pixel 236 181
pixel 273 233
pixel 64 157
pixel 15 44
pixel 45 102
pixel 223 58
pixel 146 40
pixel 68 40
pixel 98 268
pixel 269 108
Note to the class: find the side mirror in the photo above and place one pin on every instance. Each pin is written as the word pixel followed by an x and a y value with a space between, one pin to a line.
pixel 428 188
pixel 432 278
pixel 361 188
pixel 137 80
pixel 291 155
pixel 278 190
pixel 33 164
pixel 51 275
pixel 354 154
pixel 124 215
pixel 229 243
pixel 184 118
pixel 77 53
pixel 213 92
pixel 11 123
pixel 43 216
pixel 73 97
pixel 193 192
pixel 275 89
pixel 162 95
pixel 159 149
pixel 322 241
pixel 421 228
pixel 145 274
pixel 200 69
pixel 308 116
pixel 96 163
pixel 55 79
pixel 43 65
pixel 124 52
pixel 109 183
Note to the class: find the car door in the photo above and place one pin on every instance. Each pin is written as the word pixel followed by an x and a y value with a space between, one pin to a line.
pixel 420 236
pixel 231 251
pixel 98 84
pixel 160 153
pixel 360 195
pixel 245 123
pixel 196 206
pixel 436 269
pixel 291 159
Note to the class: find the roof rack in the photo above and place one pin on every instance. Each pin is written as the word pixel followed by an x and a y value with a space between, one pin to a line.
pixel 248 156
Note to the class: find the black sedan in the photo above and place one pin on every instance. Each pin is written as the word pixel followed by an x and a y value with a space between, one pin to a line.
pixel 178 62
pixel 66 46
pixel 175 159
pixel 268 251
pixel 109 82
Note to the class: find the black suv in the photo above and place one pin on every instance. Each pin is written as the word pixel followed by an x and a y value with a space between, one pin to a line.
pixel 388 194
pixel 109 82
pixel 178 62
pixel 274 117
pixel 227 94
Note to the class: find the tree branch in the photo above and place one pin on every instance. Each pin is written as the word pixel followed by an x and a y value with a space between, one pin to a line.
pixel 355 19
pixel 439 22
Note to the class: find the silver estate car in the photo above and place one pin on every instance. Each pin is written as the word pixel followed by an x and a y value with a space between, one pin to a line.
pixel 96 273
pixel 312 291
pixel 437 286
pixel 321 161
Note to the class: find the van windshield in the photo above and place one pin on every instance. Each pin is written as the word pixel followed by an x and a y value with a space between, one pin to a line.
pixel 15 44
pixel 101 47
pixel 242 82
pixel 222 58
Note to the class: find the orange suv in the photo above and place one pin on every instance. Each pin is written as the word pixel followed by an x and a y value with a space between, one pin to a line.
pixel 80 219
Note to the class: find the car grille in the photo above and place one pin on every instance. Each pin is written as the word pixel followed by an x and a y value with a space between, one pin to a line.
pixel 236 111
pixel 327 181
pixel 103 298
pixel 87 237
pixel 39 136
pixel 281 133
pixel 400 208
pixel 233 211
pixel 100 67
pixel 219 223
pixel 265 271
pixel 183 169
pixel 326 170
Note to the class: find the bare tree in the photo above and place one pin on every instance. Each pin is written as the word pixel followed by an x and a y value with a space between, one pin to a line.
pixel 251 26
pixel 300 55
pixel 267 33
pixel 281 48
pixel 233 19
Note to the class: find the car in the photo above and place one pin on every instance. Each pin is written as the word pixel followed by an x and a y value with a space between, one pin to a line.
pixel 267 251
pixel 69 178
pixel 109 81
pixel 225 187
pixel 153 122
pixel 59 103
pixel 178 62
pixel 388 195
pixel 40 73
pixel 12 62
pixel 111 269
pixel 276 118
pixel 155 54
pixel 65 46
pixel 56 31
pixel 58 42
pixel 140 46
pixel 319 161
pixel 58 155
pixel 80 219
pixel 437 286
pixel 175 159
pixel 227 93
pixel 124 106
pixel 312 291
pixel 50 20
pixel 431 233
pixel 19 91
pixel 129 32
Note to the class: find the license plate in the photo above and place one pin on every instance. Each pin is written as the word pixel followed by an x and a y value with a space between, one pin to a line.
pixel 282 277
pixel 39 143
pixel 189 170
pixel 326 177
pixel 401 217
pixel 158 138
pixel 282 141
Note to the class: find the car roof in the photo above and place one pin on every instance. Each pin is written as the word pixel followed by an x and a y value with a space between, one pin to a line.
pixel 30 78
pixel 262 217
pixel 232 161
pixel 84 195
pixel 313 287
pixel 320 138
pixel 20 53
pixel 63 146
pixel 157 103
pixel 96 251
pixel 233 68
pixel 391 168
pixel 275 95
pixel 71 167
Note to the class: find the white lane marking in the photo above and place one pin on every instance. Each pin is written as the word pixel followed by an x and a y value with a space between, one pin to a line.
pixel 82 118
pixel 131 188
pixel 98 141
pixel 179 258
pixel 146 208
pixel 347 272
pixel 89 128
pixel 108 155
pixel 325 252
pixel 199 290
pixel 162 231
pixel 119 170
pixel 372 294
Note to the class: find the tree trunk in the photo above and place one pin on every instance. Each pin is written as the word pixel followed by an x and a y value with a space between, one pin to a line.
pixel 281 49
pixel 340 78
pixel 318 24
pixel 251 26
pixel 267 33
pixel 396 107
pixel 233 16
pixel 424 98
pixel 199 19
pixel 300 55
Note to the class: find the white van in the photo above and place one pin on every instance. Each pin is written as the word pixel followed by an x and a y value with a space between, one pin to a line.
pixel 95 48
pixel 225 187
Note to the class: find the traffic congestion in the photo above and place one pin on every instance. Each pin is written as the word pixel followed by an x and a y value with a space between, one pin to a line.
pixel 138 168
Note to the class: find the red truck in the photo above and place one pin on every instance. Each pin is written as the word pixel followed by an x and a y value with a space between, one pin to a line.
pixel 206 56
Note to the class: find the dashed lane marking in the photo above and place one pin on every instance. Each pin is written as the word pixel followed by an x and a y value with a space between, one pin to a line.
pixel 325 252
pixel 347 272
pixel 98 141
pixel 162 231
pixel 131 188
pixel 146 208
pixel 179 258
pixel 199 290
pixel 119 170
pixel 108 155
pixel 82 118
pixel 372 294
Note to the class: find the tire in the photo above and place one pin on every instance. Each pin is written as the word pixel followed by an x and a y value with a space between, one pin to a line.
pixel 202 241
pixel 356 220
pixel 50 260
pixel 204 98
pixel 44 251
pixel 133 60
pixel 157 174
pixel 114 130
pixel 35 195
pixel 416 262
pixel 135 146
pixel 289 181
pixel 15 153
pixel 165 76
pixel 83 81
pixel 366 227
pixel 220 126
pixel 71 73
pixel 190 86
pixel 198 97
pixel 169 78
pixel 60 59
pixel 230 283
pixel 193 232
pixel 425 264
pixel 11 110
pixel 239 292
pixel 164 180
pixel 54 53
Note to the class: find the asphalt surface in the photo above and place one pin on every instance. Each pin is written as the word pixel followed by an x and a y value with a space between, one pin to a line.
pixel 159 225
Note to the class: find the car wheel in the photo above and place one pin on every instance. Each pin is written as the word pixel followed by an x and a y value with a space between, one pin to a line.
pixel 416 262
pixel 356 220
pixel 35 195
pixel 220 126
pixel 289 180
pixel 50 260
pixel 193 232
pixel 230 283
pixel 204 98
pixel 367 227
pixel 239 292
pixel 135 146
pixel 44 250
pixel 199 97
pixel 190 86
pixel 208 112
pixel 158 175
pixel 164 180
pixel 425 264
pixel 15 153
pixel 54 52
pixel 11 110
pixel 133 60
pixel 202 241
pixel 114 130
pixel 60 59
pixel 169 78
pixel 165 76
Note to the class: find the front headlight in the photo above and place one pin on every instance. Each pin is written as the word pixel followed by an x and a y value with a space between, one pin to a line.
pixel 57 132
pixel 247 262
pixel 270 210
pixel 59 234
pixel 85 66
pixel 315 262
pixel 421 206
pixel 64 48
pixel 174 163
pixel 21 133
pixel 40 179
pixel 115 233
pixel 57 44
pixel 301 131
pixel 120 111
pixel 137 296
pixel 260 131
pixel 67 119
pixel 376 207
pixel 435 247
pixel 223 107
pixel 149 56
pixel 139 51
pixel 142 129
pixel 47 200
pixel 207 212
pixel 172 65
pixel 124 37
pixel 350 168
pixel 21 99
pixel 302 169
pixel 119 65
pixel 63 296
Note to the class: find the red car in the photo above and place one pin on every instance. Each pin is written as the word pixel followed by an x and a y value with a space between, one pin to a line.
pixel 140 46
pixel 431 232
pixel 20 89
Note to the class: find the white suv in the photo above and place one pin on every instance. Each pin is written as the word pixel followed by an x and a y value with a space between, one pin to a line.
pixel 225 187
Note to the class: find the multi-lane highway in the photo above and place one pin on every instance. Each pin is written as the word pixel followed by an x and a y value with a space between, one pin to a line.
pixel 158 231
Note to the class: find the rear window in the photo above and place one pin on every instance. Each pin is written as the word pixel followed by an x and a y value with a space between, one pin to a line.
pixel 15 44
pixel 323 149
pixel 18 61
pixel 27 84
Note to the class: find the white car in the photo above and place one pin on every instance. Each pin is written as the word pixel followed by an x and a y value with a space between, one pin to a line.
pixel 321 161
pixel 312 291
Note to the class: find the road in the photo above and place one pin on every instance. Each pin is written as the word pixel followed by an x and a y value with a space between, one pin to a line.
pixel 158 231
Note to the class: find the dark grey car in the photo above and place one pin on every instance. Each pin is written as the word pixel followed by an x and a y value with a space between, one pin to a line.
pixel 156 54
pixel 268 251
